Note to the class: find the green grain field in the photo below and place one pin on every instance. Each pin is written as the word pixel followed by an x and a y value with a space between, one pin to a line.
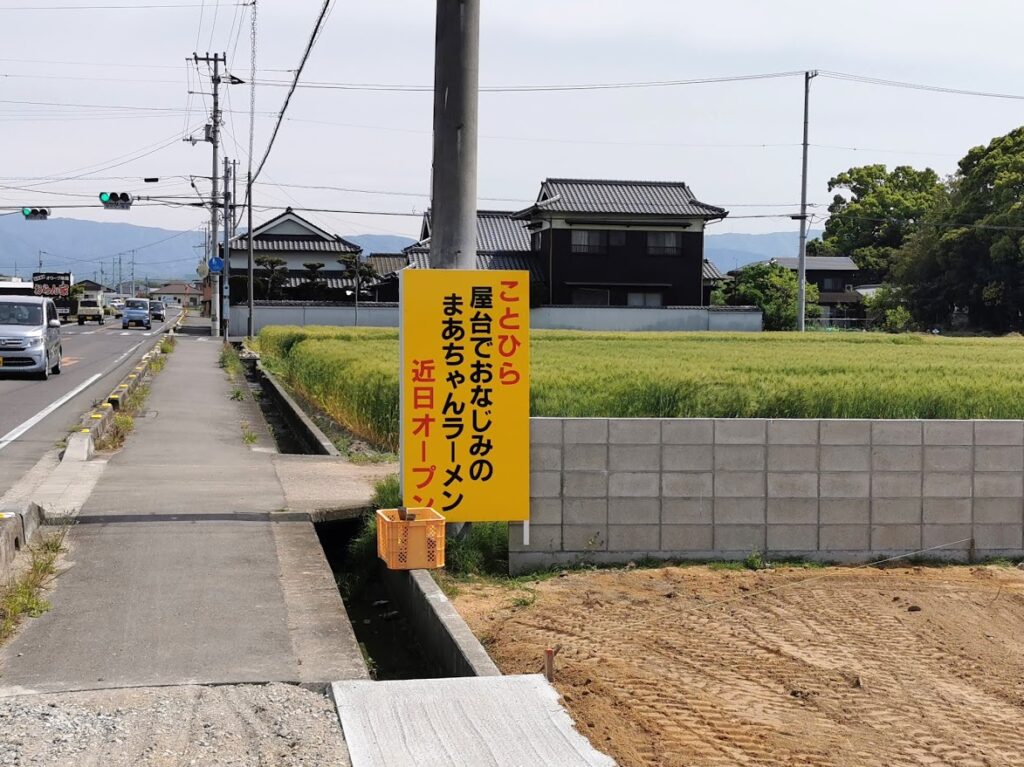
pixel 353 375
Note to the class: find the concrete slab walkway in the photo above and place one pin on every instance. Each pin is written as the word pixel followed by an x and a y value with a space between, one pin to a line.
pixel 179 571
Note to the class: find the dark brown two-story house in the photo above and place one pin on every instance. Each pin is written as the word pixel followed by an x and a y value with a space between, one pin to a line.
pixel 837 279
pixel 620 243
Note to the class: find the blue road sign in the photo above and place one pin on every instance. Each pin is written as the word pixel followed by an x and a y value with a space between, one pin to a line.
pixel 216 265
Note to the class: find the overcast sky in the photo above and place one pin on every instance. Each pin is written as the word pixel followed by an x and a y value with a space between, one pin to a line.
pixel 736 144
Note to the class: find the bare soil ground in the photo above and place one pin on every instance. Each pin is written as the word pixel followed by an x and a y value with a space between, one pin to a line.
pixel 837 666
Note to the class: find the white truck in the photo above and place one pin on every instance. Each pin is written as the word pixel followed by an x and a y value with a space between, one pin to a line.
pixel 90 309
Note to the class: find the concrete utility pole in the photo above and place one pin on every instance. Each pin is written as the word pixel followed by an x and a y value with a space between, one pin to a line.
pixel 225 275
pixel 213 136
pixel 801 274
pixel 456 95
pixel 250 325
pixel 134 289
pixel 40 260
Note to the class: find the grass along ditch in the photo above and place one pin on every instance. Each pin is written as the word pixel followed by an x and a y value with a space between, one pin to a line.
pixel 23 596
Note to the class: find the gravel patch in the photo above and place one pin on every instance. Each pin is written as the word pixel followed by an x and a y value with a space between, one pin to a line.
pixel 273 724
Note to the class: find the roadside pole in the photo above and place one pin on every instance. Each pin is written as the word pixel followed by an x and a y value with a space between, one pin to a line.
pixel 801 295
pixel 214 138
pixel 225 272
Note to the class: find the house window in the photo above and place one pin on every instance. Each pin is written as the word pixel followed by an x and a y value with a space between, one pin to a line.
pixel 664 243
pixel 833 284
pixel 535 241
pixel 616 239
pixel 643 299
pixel 590 297
pixel 589 241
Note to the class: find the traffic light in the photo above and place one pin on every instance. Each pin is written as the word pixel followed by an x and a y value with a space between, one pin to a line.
pixel 35 214
pixel 116 200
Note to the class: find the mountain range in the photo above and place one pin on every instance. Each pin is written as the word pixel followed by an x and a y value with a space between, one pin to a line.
pixel 92 249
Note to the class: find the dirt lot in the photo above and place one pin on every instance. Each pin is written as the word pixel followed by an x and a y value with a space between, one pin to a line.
pixel 694 666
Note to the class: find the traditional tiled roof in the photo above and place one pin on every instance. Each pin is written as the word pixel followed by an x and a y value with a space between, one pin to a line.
pixel 496 231
pixel 630 198
pixel 419 258
pixel 387 263
pixel 332 280
pixel 711 272
pixel 293 245
pixel 817 263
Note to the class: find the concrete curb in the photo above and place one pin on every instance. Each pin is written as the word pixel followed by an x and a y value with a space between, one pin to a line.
pixel 297 419
pixel 18 524
pixel 442 632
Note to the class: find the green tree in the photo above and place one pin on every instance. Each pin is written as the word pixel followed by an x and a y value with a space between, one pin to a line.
pixel 315 284
pixel 356 269
pixel 879 210
pixel 276 274
pixel 968 255
pixel 771 288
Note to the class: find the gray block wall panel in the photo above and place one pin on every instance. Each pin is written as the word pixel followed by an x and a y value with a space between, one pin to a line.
pixel 740 431
pixel 634 537
pixel 844 511
pixel 585 537
pixel 949 432
pixel 686 511
pixel 845 485
pixel 947 485
pixel 585 484
pixel 792 538
pixel 998 537
pixel 585 457
pixel 895 537
pixel 999 458
pixel 545 458
pixel 545 511
pixel 895 484
pixel 699 485
pixel 634 431
pixel 586 431
pixel 792 511
pixel 542 537
pixel 896 511
pixel 946 511
pixel 739 457
pixel 1002 485
pixel 739 538
pixel 545 484
pixel 792 458
pixel 634 457
pixel 633 484
pixel 844 538
pixel 585 511
pixel 688 431
pixel 845 458
pixel 896 432
pixel 545 431
pixel 793 485
pixel 739 484
pixel 845 432
pixel 739 511
pixel 999 432
pixel 952 537
pixel 948 458
pixel 687 457
pixel 998 511
pixel 687 537
pixel 896 458
pixel 634 511
pixel 793 432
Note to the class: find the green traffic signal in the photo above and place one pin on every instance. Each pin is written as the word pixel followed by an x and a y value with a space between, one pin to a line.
pixel 104 196
pixel 26 211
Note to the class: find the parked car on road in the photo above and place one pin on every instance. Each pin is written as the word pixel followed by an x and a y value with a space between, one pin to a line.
pixel 157 310
pixel 136 312
pixel 90 309
pixel 29 335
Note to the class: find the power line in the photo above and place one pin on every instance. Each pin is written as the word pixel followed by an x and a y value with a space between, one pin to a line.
pixel 295 81
pixel 129 7
pixel 918 86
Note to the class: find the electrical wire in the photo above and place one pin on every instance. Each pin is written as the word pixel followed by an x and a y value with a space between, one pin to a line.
pixel 917 86
pixel 128 7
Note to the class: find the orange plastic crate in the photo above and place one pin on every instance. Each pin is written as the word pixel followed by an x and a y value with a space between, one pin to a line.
pixel 413 543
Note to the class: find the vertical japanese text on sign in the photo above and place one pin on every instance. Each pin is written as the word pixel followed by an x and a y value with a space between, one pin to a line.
pixel 466 393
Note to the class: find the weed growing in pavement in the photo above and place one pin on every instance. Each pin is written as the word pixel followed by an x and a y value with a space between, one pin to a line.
pixel 237 395
pixel 120 428
pixel 167 344
pixel 22 597
pixel 755 561
pixel 231 363
pixel 248 435
pixel 157 363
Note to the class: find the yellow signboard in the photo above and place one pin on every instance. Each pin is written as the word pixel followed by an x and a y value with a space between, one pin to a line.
pixel 466 393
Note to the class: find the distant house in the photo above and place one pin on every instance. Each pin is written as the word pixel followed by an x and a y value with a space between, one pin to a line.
pixel 94 291
pixel 600 243
pixel 179 293
pixel 837 279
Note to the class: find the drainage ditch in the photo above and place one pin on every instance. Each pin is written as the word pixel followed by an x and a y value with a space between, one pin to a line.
pixel 389 646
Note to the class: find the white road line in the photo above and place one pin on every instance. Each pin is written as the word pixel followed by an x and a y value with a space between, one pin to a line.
pixel 126 333
pixel 12 435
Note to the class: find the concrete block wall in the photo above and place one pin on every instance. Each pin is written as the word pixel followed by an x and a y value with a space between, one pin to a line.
pixel 611 490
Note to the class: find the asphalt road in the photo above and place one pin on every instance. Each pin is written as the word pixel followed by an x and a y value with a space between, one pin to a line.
pixel 36 415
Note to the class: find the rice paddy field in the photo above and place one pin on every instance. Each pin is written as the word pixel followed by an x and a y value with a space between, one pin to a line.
pixel 352 373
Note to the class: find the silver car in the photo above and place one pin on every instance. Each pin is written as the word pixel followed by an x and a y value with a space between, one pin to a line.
pixel 29 335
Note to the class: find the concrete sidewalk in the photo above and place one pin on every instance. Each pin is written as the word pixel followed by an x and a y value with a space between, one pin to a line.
pixel 179 571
